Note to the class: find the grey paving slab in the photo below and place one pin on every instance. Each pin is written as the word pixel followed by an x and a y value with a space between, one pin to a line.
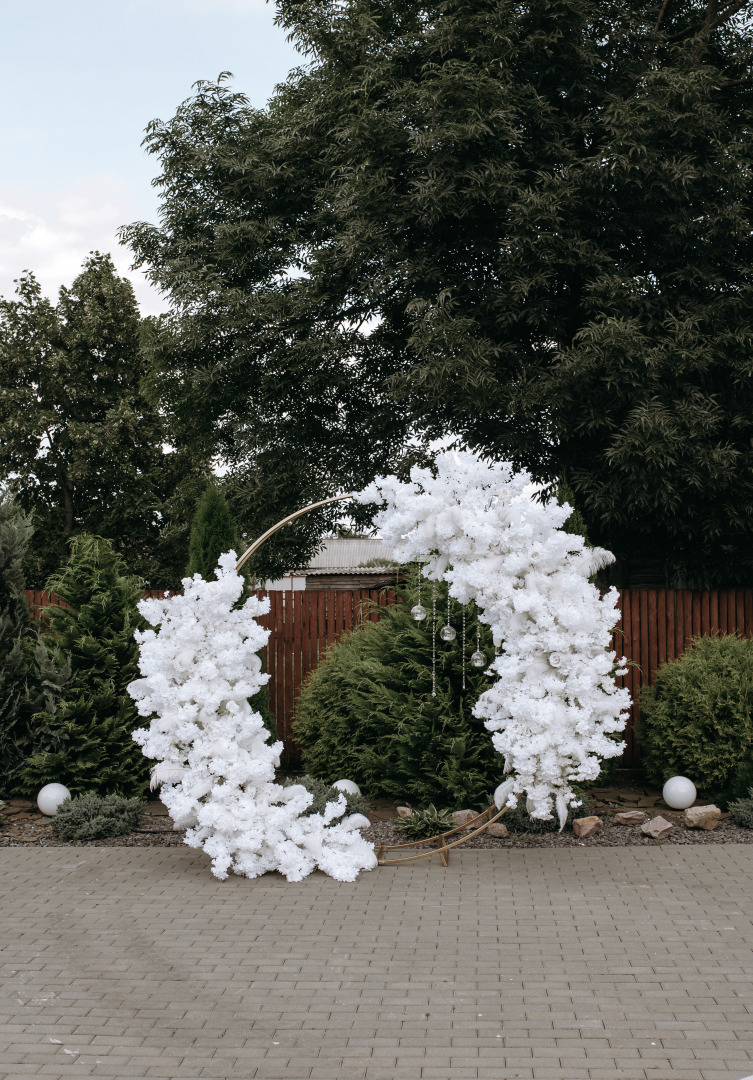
pixel 603 964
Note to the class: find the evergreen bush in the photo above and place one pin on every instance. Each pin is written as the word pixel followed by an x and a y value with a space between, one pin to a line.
pixel 93 817
pixel 697 720
pixel 84 737
pixel 324 793
pixel 367 711
pixel 742 811
pixel 16 637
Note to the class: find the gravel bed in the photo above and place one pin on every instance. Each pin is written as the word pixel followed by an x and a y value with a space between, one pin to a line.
pixel 157 831
pixel 383 832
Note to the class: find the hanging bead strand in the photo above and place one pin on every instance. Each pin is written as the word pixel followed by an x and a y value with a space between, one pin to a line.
pixel 462 650
pixel 418 611
pixel 434 639
pixel 448 632
pixel 478 659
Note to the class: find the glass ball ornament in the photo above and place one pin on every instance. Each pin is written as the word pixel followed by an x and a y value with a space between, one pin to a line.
pixel 349 787
pixel 448 633
pixel 50 798
pixel 478 659
pixel 555 659
pixel 418 612
pixel 679 792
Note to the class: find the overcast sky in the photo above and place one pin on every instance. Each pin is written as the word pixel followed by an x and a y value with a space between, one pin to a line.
pixel 79 82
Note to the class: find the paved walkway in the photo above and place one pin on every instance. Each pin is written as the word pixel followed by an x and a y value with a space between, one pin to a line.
pixel 600 964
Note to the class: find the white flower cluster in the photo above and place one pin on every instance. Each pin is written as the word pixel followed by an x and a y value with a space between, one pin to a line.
pixel 215 763
pixel 554 702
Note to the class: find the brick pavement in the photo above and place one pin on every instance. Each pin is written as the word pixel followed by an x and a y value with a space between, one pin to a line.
pixel 545 964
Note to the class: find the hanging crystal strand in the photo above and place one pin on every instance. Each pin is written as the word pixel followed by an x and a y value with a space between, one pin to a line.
pixel 418 611
pixel 448 633
pixel 478 659
pixel 433 639
pixel 462 650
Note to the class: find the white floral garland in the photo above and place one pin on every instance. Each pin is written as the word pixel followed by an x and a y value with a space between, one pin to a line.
pixel 554 703
pixel 214 761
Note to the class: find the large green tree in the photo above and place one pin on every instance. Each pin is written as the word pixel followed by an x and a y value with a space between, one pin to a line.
pixel 525 224
pixel 80 446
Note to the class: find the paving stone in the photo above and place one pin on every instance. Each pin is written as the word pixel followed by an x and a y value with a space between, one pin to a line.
pixel 513 965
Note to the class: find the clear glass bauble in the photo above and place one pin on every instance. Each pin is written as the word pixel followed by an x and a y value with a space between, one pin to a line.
pixel 448 633
pixel 555 659
pixel 478 659
pixel 418 612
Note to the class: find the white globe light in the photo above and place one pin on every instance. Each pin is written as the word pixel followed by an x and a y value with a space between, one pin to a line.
pixel 356 821
pixel 50 798
pixel 679 792
pixel 350 787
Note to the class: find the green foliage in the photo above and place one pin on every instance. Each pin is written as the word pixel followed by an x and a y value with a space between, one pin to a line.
pixel 697 720
pixel 81 446
pixel 93 817
pixel 425 823
pixel 2 807
pixel 742 811
pixel 324 793
pixel 85 739
pixel 213 532
pixel 528 225
pixel 16 670
pixel 367 711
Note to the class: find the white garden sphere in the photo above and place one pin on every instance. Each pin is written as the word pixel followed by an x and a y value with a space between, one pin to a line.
pixel 50 798
pixel 350 787
pixel 356 821
pixel 679 792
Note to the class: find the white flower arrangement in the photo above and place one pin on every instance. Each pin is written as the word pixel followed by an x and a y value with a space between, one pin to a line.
pixel 554 703
pixel 215 763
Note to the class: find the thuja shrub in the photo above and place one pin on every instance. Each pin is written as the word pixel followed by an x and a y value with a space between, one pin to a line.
pixel 84 738
pixel 697 720
pixel 367 712
pixel 94 817
pixel 742 811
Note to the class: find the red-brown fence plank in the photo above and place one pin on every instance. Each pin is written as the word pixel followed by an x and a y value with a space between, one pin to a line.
pixel 655 625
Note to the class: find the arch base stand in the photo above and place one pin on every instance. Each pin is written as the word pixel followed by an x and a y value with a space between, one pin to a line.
pixel 442 848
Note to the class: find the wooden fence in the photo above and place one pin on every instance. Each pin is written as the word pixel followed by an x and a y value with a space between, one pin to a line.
pixel 655 625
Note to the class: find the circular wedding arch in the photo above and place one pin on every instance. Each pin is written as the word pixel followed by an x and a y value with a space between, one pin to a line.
pixel 554 709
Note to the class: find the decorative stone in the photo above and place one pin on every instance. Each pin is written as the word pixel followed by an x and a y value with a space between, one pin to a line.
pixel 404 811
pixel 702 817
pixel 463 817
pixel 587 826
pixel 629 817
pixel 657 827
pixel 497 829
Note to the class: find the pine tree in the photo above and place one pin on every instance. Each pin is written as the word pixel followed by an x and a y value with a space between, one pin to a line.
pixel 85 737
pixel 15 639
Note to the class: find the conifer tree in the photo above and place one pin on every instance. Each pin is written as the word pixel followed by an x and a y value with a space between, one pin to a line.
pixel 213 532
pixel 84 738
pixel 15 637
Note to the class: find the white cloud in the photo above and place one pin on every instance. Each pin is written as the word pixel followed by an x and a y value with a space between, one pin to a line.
pixel 51 233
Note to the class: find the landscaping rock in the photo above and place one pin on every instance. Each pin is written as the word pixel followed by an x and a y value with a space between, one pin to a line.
pixel 496 829
pixel 702 817
pixel 587 826
pixel 463 817
pixel 657 828
pixel 629 817
pixel 404 811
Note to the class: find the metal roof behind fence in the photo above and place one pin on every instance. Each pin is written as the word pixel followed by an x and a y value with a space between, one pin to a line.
pixel 347 556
